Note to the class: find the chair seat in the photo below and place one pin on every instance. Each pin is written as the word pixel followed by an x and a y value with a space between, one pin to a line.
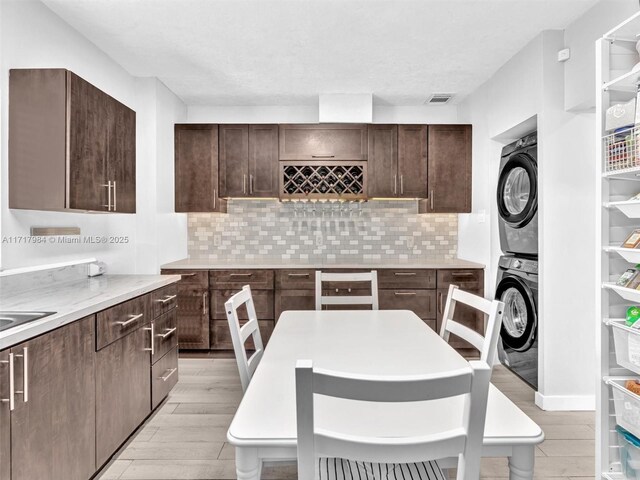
pixel 342 469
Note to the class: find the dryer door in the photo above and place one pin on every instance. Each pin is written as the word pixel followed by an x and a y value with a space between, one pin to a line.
pixel 520 317
pixel 518 190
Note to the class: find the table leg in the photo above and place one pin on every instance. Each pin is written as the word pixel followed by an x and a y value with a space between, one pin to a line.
pixel 521 462
pixel 248 465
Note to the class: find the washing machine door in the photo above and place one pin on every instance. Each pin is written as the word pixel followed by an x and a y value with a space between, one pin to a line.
pixel 518 190
pixel 520 317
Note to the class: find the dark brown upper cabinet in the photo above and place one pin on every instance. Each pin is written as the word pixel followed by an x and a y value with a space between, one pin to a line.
pixel 383 161
pixel 412 161
pixel 71 146
pixel 196 169
pixel 249 161
pixel 449 170
pixel 323 142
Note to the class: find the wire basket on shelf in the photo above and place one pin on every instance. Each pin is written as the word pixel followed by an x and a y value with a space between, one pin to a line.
pixel 621 149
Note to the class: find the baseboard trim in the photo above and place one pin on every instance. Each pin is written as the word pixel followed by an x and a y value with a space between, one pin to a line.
pixel 563 403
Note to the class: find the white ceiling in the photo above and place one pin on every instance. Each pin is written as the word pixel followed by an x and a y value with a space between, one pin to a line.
pixel 286 52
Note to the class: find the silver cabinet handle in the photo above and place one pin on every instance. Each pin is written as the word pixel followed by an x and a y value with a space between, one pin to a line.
pixel 405 274
pixel 108 186
pixel 250 184
pixel 439 302
pixel 395 184
pixel 166 299
pixel 115 190
pixel 153 348
pixel 132 318
pixel 188 275
pixel 401 184
pixel 214 198
pixel 244 184
pixel 12 389
pixel 323 156
pixel 164 378
pixel 404 293
pixel 431 199
pixel 241 275
pixel 25 374
pixel 462 274
pixel 204 304
pixel 167 333
pixel 306 275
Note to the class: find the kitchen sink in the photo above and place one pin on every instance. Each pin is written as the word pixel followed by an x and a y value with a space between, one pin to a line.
pixel 13 319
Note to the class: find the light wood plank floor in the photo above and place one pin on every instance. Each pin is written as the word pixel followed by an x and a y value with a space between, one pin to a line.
pixel 185 439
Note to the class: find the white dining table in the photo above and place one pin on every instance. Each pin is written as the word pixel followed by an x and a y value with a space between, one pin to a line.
pixel 383 342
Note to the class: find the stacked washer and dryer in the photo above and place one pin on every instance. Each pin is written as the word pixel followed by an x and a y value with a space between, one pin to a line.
pixel 517 282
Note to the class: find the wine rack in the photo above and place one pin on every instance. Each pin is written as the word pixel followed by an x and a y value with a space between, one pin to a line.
pixel 323 180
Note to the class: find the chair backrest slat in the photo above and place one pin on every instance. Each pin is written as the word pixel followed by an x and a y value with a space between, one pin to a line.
pixel 493 311
pixel 461 442
pixel 371 277
pixel 239 335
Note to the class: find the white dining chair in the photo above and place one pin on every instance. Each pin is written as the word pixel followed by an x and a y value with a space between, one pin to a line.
pixel 371 277
pixel 327 454
pixel 492 309
pixel 239 335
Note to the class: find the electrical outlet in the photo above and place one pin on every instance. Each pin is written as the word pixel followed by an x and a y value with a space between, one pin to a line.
pixel 319 239
pixel 217 240
pixel 410 241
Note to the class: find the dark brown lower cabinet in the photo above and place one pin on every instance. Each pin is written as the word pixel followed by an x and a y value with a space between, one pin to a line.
pixel 221 335
pixel 420 302
pixel 164 376
pixel 294 299
pixel 5 418
pixel 193 319
pixel 123 391
pixel 53 427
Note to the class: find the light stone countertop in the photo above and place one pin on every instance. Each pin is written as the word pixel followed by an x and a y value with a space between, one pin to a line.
pixel 74 300
pixel 274 264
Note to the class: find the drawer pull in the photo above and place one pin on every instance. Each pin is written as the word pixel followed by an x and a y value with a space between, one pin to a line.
pixel 463 275
pixel 188 275
pixel 405 274
pixel 404 293
pixel 204 304
pixel 241 275
pixel 306 275
pixel 323 156
pixel 132 318
pixel 164 378
pixel 168 333
pixel 25 374
pixel 166 299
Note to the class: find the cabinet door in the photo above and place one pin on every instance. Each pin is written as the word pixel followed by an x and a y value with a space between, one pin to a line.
pixel 121 163
pixel 5 418
pixel 196 169
pixel 383 161
pixel 263 160
pixel 123 391
pixel 412 161
pixel 193 317
pixel 325 141
pixel 53 428
pixel 449 169
pixel 294 299
pixel 234 160
pixel 88 137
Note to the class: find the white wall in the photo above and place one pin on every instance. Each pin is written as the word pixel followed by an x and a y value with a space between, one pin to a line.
pixel 31 36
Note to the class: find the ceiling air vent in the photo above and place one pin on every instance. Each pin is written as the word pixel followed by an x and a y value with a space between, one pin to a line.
pixel 439 98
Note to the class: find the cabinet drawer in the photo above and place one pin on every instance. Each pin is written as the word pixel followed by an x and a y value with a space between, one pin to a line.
pixel 421 302
pixel 236 279
pixel 221 335
pixel 262 300
pixel 118 321
pixel 164 376
pixel 164 299
pixel 165 334
pixel 470 279
pixel 296 279
pixel 407 278
pixel 191 277
pixel 294 300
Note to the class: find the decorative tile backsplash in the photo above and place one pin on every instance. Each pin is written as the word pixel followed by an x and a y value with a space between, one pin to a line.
pixel 323 231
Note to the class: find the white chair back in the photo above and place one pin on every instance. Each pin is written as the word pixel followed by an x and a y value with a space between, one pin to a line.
pixel 371 277
pixel 239 335
pixel 464 442
pixel 493 310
